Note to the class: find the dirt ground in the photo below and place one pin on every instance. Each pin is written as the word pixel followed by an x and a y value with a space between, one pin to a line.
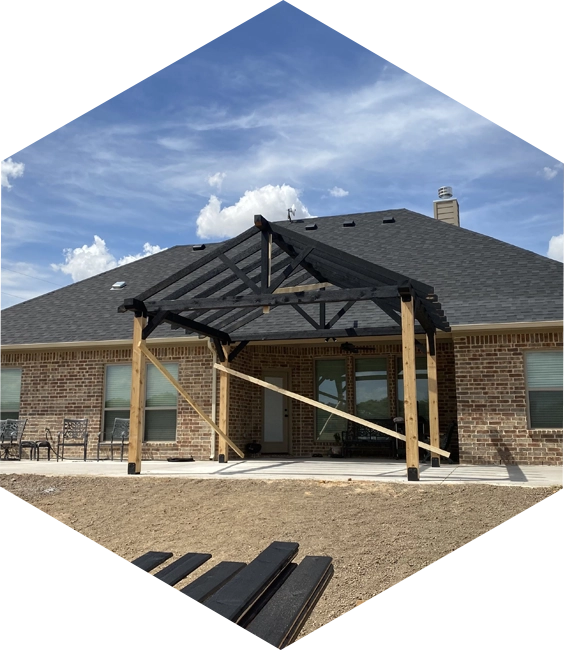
pixel 376 533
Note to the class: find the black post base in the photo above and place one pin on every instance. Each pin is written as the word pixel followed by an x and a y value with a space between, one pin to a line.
pixel 222 458
pixel 413 474
pixel 131 469
pixel 435 462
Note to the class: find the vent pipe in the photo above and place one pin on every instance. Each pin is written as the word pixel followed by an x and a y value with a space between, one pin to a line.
pixel 446 208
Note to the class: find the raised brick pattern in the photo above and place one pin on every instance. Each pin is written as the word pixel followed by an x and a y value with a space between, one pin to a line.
pixel 491 400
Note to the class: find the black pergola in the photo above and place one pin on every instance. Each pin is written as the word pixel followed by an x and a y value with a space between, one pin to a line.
pixel 268 267
pixel 218 312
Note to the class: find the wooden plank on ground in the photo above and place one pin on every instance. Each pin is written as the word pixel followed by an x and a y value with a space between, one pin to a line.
pixel 331 410
pixel 204 586
pixel 276 622
pixel 181 568
pixel 189 399
pixel 238 595
pixel 151 560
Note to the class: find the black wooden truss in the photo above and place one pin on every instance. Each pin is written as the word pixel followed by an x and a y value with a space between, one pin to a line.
pixel 271 266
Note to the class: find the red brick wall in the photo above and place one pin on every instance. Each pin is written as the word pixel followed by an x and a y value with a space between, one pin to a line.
pixel 491 400
pixel 70 384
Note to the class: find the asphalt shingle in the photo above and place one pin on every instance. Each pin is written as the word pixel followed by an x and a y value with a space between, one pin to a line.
pixel 478 279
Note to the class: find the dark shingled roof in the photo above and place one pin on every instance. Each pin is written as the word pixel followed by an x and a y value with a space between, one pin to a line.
pixel 478 279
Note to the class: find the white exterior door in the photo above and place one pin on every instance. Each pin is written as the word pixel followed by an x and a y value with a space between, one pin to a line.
pixel 275 414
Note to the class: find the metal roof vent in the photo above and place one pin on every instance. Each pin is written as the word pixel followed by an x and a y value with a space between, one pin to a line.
pixel 446 192
pixel 119 285
pixel 311 227
pixel 389 221
pixel 348 224
pixel 199 247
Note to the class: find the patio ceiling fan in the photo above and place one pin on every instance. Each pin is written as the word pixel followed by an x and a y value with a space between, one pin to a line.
pixel 351 348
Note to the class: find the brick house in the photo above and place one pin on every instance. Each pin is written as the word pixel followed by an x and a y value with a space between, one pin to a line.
pixel 499 363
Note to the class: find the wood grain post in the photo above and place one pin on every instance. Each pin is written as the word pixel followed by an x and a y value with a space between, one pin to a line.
pixel 137 403
pixel 223 420
pixel 433 397
pixel 409 381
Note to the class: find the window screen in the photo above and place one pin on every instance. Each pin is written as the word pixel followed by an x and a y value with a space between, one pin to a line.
pixel 10 388
pixel 160 401
pixel 544 380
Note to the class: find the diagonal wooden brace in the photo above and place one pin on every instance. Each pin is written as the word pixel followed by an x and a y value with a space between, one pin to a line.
pixel 332 410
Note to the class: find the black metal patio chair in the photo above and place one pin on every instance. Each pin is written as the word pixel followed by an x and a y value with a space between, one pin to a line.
pixel 119 436
pixel 11 436
pixel 74 434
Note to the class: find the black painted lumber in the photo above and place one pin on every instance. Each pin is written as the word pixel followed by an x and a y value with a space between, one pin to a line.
pixel 282 618
pixel 267 595
pixel 204 586
pixel 151 560
pixel 238 595
pixel 181 568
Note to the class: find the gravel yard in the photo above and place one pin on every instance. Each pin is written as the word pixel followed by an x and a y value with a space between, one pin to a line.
pixel 377 533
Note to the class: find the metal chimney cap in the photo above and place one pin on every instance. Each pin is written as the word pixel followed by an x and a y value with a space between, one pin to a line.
pixel 446 192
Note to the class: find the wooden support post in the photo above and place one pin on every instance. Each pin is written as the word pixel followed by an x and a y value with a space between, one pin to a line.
pixel 223 420
pixel 137 404
pixel 189 399
pixel 409 381
pixel 432 396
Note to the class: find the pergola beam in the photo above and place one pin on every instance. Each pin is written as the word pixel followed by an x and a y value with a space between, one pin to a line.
pixel 272 300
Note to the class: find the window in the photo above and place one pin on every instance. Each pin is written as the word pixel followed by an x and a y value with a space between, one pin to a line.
pixel 117 396
pixel 544 381
pixel 422 397
pixel 160 404
pixel 371 388
pixel 160 401
pixel 331 390
pixel 11 379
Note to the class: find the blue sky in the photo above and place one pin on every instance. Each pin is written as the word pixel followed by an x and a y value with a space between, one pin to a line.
pixel 280 111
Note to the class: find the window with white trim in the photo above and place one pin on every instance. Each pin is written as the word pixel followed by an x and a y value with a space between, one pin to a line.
pixel 544 384
pixel 10 390
pixel 160 400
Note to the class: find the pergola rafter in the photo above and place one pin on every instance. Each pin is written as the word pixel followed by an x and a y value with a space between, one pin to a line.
pixel 238 284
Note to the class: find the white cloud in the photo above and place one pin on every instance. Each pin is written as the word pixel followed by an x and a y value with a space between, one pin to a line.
pixel 271 201
pixel 338 192
pixel 217 179
pixel 10 168
pixel 148 249
pixel 549 173
pixel 555 249
pixel 86 261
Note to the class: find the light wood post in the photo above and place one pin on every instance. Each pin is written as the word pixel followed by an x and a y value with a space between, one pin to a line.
pixel 432 397
pixel 409 381
pixel 137 403
pixel 223 421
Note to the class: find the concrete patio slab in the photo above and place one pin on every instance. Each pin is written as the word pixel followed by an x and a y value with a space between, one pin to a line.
pixel 317 469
